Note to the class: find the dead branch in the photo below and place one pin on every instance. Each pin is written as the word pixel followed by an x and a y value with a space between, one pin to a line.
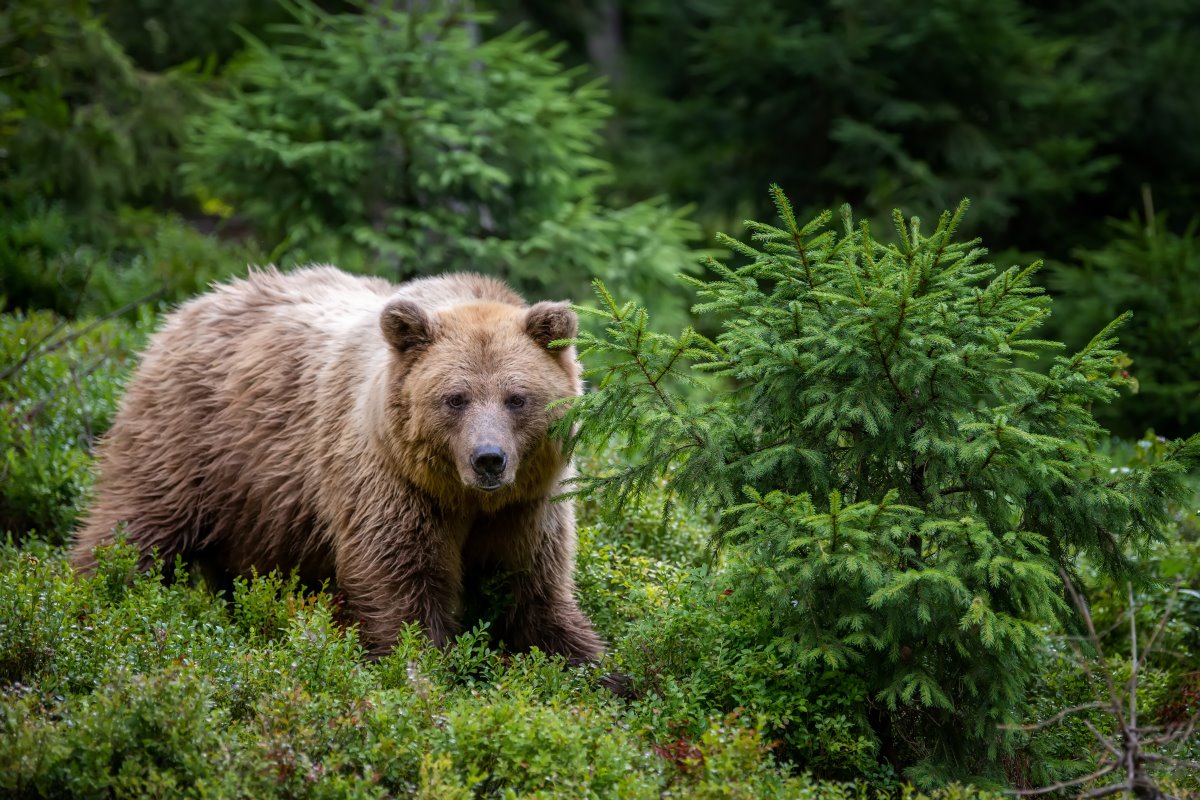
pixel 1058 787
pixel 41 348
pixel 1116 706
pixel 1128 744
pixel 1066 712
pixel 1105 791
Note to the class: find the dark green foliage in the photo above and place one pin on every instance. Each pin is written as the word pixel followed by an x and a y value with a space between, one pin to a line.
pixel 59 388
pixel 159 34
pixel 710 650
pixel 897 490
pixel 1138 51
pixel 895 484
pixel 1153 272
pixel 458 154
pixel 394 139
pixel 280 702
pixel 1169 686
pixel 634 564
pixel 80 122
pixel 1052 116
pixel 46 262
pixel 1069 749
pixel 85 137
pixel 142 256
pixel 35 605
pixel 1174 566
pixel 877 102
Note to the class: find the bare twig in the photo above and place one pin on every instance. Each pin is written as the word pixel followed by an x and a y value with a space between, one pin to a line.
pixel 1036 726
pixel 1175 762
pixel 1103 792
pixel 1127 746
pixel 1117 707
pixel 1100 773
pixel 1179 732
pixel 41 348
pixel 1101 738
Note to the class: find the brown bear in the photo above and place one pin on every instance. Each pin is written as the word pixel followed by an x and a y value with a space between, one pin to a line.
pixel 392 438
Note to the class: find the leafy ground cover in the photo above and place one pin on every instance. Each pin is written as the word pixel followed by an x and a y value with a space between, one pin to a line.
pixel 121 685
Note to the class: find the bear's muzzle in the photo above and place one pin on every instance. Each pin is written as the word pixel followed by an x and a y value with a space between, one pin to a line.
pixel 489 462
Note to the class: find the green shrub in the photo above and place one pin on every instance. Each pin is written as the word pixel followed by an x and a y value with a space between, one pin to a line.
pixel 59 388
pixel 83 133
pixel 49 261
pixel 1166 600
pixel 619 586
pixel 679 536
pixel 161 257
pixel 1152 271
pixel 631 566
pixel 897 492
pixel 263 605
pixel 35 606
pixel 146 735
pixel 44 260
pixel 702 653
pixel 86 137
pixel 1169 570
pixel 390 140
pixel 501 742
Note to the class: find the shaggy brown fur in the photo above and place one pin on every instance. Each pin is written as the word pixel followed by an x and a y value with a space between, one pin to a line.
pixel 391 437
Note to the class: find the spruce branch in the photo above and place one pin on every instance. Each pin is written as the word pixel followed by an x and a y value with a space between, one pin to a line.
pixel 789 217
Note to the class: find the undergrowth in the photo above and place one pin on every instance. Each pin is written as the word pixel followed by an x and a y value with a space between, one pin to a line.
pixel 122 685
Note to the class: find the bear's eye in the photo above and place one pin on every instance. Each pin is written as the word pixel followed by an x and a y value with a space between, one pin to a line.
pixel 456 401
pixel 516 401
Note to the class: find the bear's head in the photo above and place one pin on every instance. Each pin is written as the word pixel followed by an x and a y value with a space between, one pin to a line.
pixel 470 386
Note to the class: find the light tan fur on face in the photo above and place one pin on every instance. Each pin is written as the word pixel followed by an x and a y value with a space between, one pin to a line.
pixel 481 357
pixel 300 420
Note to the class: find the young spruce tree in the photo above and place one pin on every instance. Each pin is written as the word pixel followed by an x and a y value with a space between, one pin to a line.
pixel 387 137
pixel 896 486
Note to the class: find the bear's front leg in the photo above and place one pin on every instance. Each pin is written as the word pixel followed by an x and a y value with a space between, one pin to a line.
pixel 402 571
pixel 540 556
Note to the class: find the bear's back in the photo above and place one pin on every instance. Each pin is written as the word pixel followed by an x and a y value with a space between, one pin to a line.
pixel 444 291
pixel 326 294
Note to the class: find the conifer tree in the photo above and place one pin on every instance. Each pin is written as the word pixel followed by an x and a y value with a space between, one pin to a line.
pixel 1152 270
pixel 388 137
pixel 896 487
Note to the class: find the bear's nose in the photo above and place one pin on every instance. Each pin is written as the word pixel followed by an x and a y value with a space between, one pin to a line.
pixel 489 461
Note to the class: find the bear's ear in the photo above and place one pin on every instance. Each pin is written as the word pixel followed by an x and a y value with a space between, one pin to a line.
pixel 405 326
pixel 546 322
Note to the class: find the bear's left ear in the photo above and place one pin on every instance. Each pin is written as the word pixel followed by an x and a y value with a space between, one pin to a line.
pixel 546 322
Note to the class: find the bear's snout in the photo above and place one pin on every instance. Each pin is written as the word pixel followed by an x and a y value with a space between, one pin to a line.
pixel 489 461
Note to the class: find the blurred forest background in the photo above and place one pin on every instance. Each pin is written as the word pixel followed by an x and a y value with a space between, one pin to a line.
pixel 151 147
pixel 148 147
